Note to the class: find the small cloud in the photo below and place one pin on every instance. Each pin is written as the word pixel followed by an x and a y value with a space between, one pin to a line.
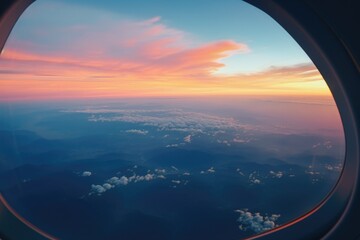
pixel 97 189
pixel 326 144
pixel 107 186
pixel 186 174
pixel 175 168
pixel 86 174
pixel 240 172
pixel 123 180
pixel 253 178
pixel 115 181
pixel 137 131
pixel 278 174
pixel 160 171
pixel 172 145
pixel 176 181
pixel 255 221
pixel 118 181
pixel 238 140
pixel 152 20
pixel 226 142
pixel 316 145
pixel 149 177
pixel 312 172
pixel 329 167
pixel 187 139
pixel 255 181
pixel 209 171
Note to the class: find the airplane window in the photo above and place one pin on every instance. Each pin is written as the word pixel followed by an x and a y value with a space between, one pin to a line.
pixel 162 120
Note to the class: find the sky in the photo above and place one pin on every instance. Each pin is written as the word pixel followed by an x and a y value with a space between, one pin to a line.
pixel 92 49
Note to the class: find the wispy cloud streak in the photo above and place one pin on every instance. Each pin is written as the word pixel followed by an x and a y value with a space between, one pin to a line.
pixel 114 56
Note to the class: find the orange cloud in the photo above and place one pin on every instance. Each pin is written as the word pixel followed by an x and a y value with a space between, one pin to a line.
pixel 151 59
pixel 204 59
pixel 61 81
pixel 159 60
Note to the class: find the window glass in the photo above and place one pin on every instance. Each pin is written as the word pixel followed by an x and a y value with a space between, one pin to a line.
pixel 162 120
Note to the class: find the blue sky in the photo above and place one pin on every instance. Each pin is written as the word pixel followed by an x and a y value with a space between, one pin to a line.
pixel 205 21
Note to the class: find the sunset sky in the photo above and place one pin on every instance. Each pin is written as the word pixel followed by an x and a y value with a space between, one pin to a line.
pixel 88 49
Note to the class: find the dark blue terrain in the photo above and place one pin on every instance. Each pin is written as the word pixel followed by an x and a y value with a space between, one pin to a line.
pixel 145 171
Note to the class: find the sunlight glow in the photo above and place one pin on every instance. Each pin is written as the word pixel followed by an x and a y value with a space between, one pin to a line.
pixel 95 59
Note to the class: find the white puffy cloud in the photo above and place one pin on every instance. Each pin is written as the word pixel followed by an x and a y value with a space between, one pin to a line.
pixel 149 177
pixel 118 181
pixel 256 181
pixel 312 172
pixel 86 174
pixel 137 178
pixel 97 189
pixel 124 180
pixel 208 171
pixel 326 144
pixel 226 142
pixel 254 178
pixel 278 174
pixel 172 145
pixel 108 186
pixel 240 172
pixel 176 181
pixel 114 180
pixel 255 221
pixel 137 131
pixel 187 139
pixel 186 174
pixel 160 171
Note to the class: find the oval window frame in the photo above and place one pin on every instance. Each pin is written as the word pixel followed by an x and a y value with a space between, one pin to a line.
pixel 332 218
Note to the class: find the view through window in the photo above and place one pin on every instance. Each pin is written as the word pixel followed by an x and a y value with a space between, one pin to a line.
pixel 162 120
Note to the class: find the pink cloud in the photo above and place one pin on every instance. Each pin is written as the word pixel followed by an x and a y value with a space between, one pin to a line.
pixel 142 48
pixel 110 55
pixel 156 30
pixel 152 20
pixel 203 59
